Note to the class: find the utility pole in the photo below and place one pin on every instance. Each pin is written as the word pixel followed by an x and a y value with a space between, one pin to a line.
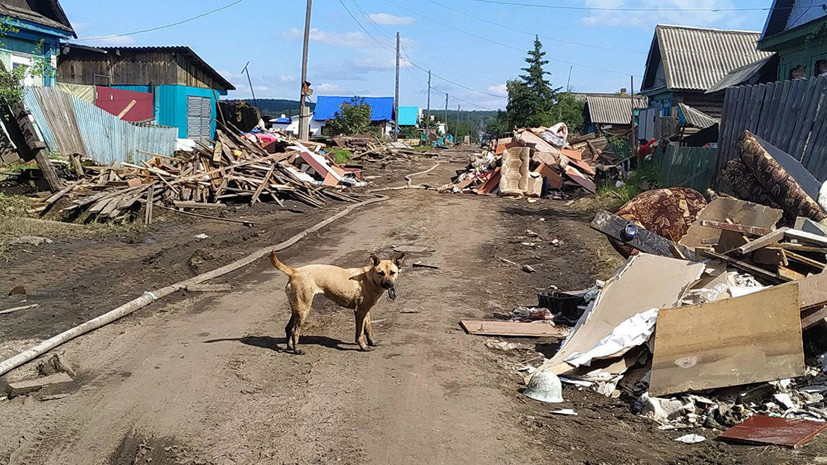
pixel 428 111
pixel 396 94
pixel 446 113
pixel 456 129
pixel 247 70
pixel 568 83
pixel 632 126
pixel 304 113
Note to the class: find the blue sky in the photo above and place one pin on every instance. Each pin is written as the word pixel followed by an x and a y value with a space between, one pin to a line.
pixel 471 46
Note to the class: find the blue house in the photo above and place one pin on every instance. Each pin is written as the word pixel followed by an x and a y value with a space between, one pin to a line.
pixel 185 87
pixel 36 28
pixel 381 110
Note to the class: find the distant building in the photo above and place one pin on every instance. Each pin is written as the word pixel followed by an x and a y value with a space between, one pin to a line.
pixel 38 28
pixel 797 31
pixel 683 64
pixel 184 86
pixel 381 110
pixel 408 116
pixel 610 113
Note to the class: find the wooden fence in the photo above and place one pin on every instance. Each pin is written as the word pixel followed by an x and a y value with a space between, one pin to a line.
pixel 687 167
pixel 791 115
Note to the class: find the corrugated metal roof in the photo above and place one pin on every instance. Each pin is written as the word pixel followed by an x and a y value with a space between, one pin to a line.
pixel 408 116
pixel 44 12
pixel 612 110
pixel 740 75
pixel 381 108
pixel 696 118
pixel 697 58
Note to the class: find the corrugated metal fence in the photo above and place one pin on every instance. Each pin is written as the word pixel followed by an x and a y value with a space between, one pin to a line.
pixel 687 167
pixel 791 115
pixel 71 125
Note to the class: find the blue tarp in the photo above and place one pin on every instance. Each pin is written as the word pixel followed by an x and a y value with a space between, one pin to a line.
pixel 381 108
pixel 408 116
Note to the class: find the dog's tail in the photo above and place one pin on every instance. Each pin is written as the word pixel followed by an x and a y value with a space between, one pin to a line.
pixel 288 270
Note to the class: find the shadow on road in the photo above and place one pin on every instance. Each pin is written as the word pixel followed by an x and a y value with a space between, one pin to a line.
pixel 278 344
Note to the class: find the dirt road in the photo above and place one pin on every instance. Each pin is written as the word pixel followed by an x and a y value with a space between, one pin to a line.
pixel 204 379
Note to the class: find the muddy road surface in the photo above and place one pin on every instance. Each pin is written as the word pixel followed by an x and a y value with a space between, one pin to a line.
pixel 203 378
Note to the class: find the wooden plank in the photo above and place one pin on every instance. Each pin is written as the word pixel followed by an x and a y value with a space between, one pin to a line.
pixel 790 112
pixel 803 236
pixel 811 151
pixel 789 274
pixel 17 388
pixel 804 260
pixel 754 270
pixel 217 151
pixel 728 210
pixel 813 291
pixel 778 431
pixel 813 316
pixel 264 184
pixel 728 342
pixel 804 122
pixel 511 328
pixel 645 240
pixel 763 241
pixel 17 309
pixel 741 228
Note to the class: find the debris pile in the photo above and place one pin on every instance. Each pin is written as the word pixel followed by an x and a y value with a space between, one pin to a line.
pixel 716 320
pixel 250 167
pixel 532 163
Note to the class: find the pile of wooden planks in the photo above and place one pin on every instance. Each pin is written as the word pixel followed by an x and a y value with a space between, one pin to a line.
pixel 230 169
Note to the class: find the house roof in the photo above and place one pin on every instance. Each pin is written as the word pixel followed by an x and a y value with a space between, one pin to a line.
pixel 408 116
pixel 43 12
pixel 740 75
pixel 695 117
pixel 783 10
pixel 697 58
pixel 182 49
pixel 614 109
pixel 381 108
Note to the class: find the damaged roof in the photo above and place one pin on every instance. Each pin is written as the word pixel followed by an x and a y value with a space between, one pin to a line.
pixel 613 109
pixel 43 12
pixel 740 75
pixel 696 118
pixel 381 108
pixel 693 58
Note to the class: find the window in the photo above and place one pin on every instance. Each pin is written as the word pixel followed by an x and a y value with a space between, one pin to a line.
pixel 799 72
pixel 18 61
pixel 821 67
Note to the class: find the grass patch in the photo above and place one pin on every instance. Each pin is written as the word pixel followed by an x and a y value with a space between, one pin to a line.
pixel 341 156
pixel 608 260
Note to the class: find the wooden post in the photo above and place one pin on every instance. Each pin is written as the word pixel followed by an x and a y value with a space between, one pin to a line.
pixel 36 148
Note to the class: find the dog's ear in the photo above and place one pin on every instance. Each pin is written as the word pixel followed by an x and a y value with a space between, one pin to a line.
pixel 374 259
pixel 397 259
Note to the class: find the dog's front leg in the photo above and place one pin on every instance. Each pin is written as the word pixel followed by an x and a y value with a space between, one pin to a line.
pixel 369 331
pixel 360 329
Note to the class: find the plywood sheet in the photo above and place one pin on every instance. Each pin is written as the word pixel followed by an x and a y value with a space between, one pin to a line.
pixel 644 282
pixel 723 209
pixel 512 328
pixel 813 290
pixel 762 429
pixel 729 342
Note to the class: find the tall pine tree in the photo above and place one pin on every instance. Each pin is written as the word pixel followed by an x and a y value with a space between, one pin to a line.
pixel 531 97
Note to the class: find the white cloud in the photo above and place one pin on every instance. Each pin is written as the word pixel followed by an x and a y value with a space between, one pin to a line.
pixel 112 41
pixel 327 87
pixel 390 20
pixel 287 78
pixel 679 12
pixel 499 89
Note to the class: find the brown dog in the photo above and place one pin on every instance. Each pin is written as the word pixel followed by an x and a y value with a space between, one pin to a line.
pixel 355 288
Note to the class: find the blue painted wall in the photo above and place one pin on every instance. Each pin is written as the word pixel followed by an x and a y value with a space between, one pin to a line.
pixel 26 40
pixel 171 104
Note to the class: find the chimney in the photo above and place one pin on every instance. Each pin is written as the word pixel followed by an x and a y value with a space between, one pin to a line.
pixel 623 91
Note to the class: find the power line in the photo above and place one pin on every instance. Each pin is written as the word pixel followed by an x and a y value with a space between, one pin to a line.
pixel 532 33
pixel 648 10
pixel 579 65
pixel 177 23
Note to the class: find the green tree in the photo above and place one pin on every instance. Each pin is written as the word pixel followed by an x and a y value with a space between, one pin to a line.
pixel 11 81
pixel 569 109
pixel 531 98
pixel 352 118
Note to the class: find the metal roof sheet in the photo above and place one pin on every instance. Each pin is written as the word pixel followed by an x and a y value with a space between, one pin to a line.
pixel 697 58
pixel 739 75
pixel 614 109
pixel 381 108
pixel 696 118
pixel 408 116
